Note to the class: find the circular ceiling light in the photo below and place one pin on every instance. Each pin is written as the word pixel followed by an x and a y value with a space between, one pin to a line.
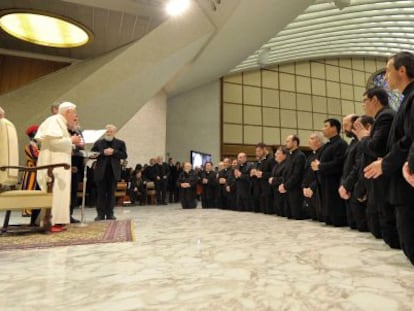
pixel 177 7
pixel 42 29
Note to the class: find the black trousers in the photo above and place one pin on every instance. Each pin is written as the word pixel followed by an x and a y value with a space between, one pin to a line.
pixel 74 191
pixel 405 221
pixel 161 189
pixel 106 195
pixel 295 202
pixel 188 198
pixel 244 203
pixel 350 215
pixel 266 202
pixel 359 213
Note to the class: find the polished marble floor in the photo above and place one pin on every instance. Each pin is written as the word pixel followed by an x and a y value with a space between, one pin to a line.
pixel 211 260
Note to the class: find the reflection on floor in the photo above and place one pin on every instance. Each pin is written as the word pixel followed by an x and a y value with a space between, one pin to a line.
pixel 211 260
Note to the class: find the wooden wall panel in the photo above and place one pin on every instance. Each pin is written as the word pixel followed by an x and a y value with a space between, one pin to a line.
pixel 17 71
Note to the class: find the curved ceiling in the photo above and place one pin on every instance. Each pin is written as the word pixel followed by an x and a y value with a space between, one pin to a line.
pixel 340 28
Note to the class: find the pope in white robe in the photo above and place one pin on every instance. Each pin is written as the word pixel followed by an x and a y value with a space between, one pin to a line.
pixel 56 147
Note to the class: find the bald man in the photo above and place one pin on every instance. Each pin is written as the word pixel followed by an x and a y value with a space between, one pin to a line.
pixel 243 184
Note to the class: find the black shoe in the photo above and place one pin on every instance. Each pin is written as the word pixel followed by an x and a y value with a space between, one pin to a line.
pixel 74 221
pixel 111 218
pixel 99 218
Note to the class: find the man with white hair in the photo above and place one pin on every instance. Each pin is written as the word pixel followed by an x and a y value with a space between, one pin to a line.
pixel 56 147
pixel 108 171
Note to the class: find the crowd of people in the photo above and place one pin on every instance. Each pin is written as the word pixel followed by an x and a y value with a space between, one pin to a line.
pixel 366 184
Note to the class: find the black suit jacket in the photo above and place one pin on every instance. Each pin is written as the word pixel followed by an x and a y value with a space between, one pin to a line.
pixel 399 142
pixel 295 169
pixel 114 160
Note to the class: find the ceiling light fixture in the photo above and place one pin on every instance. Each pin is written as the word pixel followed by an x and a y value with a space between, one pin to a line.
pixel 43 29
pixel 177 7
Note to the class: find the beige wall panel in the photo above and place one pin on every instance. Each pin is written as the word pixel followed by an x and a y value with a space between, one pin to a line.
pixel 381 64
pixel 232 93
pixel 358 64
pixel 348 107
pixel 252 78
pixel 252 96
pixel 332 61
pixel 358 93
pixel 370 65
pixel 333 89
pixel 303 69
pixel 305 120
pixel 318 70
pixel 318 119
pixel 358 109
pixel 271 135
pixel 303 85
pixel 271 117
pixel 332 73
pixel 287 100
pixel 334 106
pixel 284 133
pixel 359 78
pixel 345 75
pixel 270 98
pixel 236 78
pixel 270 79
pixel 287 82
pixel 252 115
pixel 232 113
pixel 345 63
pixel 304 137
pixel 288 68
pixel 232 134
pixel 319 104
pixel 318 87
pixel 304 102
pixel 252 134
pixel 347 92
pixel 288 119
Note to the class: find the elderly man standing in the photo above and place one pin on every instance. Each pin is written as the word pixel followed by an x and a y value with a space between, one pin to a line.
pixel 108 171
pixel 56 147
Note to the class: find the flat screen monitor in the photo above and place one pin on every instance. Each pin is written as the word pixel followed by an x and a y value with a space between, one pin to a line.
pixel 198 159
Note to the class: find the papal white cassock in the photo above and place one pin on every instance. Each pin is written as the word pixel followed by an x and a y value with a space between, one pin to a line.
pixel 56 147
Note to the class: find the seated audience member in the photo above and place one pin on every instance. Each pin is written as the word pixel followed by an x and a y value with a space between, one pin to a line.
pixel 276 179
pixel 209 183
pixel 380 214
pixel 329 168
pixel 137 189
pixel 292 183
pixel 309 182
pixel 187 182
pixel 243 184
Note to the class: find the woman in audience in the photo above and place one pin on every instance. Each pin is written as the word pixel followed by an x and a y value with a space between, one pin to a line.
pixel 187 182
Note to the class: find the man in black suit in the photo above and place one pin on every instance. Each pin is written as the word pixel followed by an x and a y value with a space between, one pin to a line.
pixel 350 169
pixel 309 182
pixel 243 184
pixel 400 76
pixel 260 174
pixel 108 171
pixel 329 168
pixel 292 185
pixel 380 215
pixel 223 200
pixel 161 174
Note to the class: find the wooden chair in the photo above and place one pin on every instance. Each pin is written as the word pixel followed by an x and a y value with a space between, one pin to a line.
pixel 151 193
pixel 121 192
pixel 18 200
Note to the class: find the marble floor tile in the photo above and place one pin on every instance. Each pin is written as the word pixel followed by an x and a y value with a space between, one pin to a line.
pixel 211 260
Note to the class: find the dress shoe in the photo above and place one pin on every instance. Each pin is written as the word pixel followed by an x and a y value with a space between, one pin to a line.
pixel 74 221
pixel 56 229
pixel 111 218
pixel 99 218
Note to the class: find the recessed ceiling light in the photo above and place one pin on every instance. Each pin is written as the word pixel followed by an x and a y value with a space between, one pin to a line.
pixel 42 29
pixel 177 7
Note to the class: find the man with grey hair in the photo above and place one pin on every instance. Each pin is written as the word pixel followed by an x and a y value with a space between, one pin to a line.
pixel 310 182
pixel 56 147
pixel 110 151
